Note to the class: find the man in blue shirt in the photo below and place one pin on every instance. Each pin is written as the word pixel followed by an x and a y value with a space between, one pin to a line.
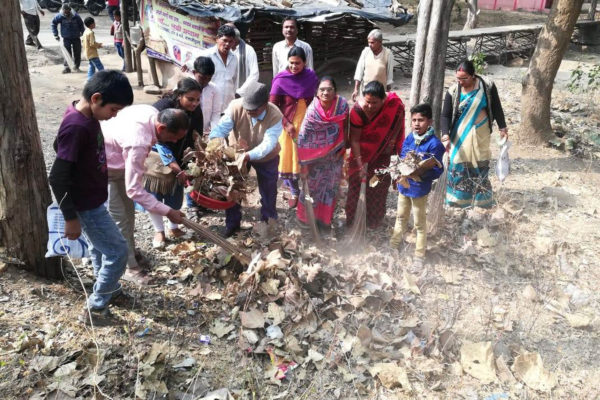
pixel 254 125
pixel 71 29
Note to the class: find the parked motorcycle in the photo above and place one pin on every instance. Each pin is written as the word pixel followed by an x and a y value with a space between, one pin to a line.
pixel 94 7
pixel 50 5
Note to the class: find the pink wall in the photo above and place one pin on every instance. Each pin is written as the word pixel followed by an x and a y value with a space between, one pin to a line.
pixel 526 5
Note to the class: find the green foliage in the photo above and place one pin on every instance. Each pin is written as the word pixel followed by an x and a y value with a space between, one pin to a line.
pixel 478 60
pixel 584 81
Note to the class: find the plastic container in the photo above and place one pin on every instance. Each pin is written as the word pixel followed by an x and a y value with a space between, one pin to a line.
pixel 208 202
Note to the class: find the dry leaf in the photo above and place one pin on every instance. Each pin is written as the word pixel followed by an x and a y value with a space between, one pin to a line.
pixel 213 296
pixel 477 359
pixel 270 287
pixel 157 353
pixel 578 320
pixel 503 371
pixel 391 375
pixel 529 293
pixel 252 319
pixel 365 335
pixel 409 282
pixel 529 368
pixel 65 370
pixel 219 328
pixel 485 239
pixel 250 336
pixel 275 313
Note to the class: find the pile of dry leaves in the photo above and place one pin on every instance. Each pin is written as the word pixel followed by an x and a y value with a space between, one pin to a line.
pixel 215 172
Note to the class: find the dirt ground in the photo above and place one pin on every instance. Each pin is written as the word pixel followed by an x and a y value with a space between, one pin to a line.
pixel 499 288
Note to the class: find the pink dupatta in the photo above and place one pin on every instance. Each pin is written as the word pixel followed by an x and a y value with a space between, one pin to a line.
pixel 322 132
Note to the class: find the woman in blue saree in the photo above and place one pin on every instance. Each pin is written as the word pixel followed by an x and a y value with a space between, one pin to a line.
pixel 470 107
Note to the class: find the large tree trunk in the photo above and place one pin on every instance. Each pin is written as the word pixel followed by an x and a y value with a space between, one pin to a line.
pixel 126 37
pixel 429 67
pixel 539 79
pixel 24 192
pixel 472 15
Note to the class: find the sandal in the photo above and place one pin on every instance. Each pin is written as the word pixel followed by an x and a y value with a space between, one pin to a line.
pixel 176 233
pixel 137 275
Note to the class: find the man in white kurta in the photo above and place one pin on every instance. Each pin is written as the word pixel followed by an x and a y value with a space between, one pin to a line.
pixel 281 49
pixel 226 70
pixel 376 63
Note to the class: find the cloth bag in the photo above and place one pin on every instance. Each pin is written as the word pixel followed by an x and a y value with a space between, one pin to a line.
pixel 158 178
pixel 58 245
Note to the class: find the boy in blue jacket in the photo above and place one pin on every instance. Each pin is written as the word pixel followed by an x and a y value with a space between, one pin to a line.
pixel 421 140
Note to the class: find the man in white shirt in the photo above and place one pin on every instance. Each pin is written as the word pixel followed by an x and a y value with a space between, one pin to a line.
pixel 210 101
pixel 247 64
pixel 30 9
pixel 281 49
pixel 226 76
pixel 376 63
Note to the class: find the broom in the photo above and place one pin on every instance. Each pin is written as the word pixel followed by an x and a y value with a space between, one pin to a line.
pixel 310 213
pixel 218 240
pixel 435 212
pixel 358 230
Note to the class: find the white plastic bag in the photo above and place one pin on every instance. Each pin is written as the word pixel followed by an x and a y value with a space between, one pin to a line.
pixel 503 164
pixel 58 245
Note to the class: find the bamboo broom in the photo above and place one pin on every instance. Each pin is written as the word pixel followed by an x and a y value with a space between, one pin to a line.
pixel 358 231
pixel 218 240
pixel 310 213
pixel 435 212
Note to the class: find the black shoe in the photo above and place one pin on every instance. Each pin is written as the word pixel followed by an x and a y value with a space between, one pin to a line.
pixel 123 300
pixel 67 70
pixel 99 317
pixel 229 232
pixel 29 42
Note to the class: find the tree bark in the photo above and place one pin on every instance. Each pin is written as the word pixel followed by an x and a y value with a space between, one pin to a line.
pixel 24 192
pixel 539 80
pixel 126 40
pixel 472 15
pixel 430 55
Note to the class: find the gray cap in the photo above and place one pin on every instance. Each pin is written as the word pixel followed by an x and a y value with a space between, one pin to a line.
pixel 257 95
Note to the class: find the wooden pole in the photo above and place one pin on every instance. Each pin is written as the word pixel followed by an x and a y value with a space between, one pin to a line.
pixel 138 60
pixel 126 41
pixel 424 16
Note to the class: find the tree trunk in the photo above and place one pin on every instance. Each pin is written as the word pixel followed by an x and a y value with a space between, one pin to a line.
pixel 539 79
pixel 592 12
pixel 472 15
pixel 126 39
pixel 24 192
pixel 430 55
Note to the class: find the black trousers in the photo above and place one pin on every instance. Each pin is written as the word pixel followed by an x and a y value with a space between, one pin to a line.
pixel 73 47
pixel 32 23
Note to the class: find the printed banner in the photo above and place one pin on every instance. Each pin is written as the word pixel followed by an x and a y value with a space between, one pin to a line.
pixel 173 36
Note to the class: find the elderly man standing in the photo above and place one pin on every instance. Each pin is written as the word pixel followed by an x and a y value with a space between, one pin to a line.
pixel 247 64
pixel 71 29
pixel 254 124
pixel 376 63
pixel 128 139
pixel 281 49
pixel 226 67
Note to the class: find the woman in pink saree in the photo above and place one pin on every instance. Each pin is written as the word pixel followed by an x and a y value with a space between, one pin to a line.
pixel 321 151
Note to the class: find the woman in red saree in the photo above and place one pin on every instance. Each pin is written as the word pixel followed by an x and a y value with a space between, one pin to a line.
pixel 321 151
pixel 376 132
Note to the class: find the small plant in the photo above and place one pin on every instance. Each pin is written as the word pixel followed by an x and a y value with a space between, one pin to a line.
pixel 479 63
pixel 579 83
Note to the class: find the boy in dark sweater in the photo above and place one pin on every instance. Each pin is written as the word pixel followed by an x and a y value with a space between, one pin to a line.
pixel 421 140
pixel 79 181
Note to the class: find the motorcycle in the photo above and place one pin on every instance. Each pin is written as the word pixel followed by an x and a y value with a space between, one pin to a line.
pixel 50 5
pixel 93 6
